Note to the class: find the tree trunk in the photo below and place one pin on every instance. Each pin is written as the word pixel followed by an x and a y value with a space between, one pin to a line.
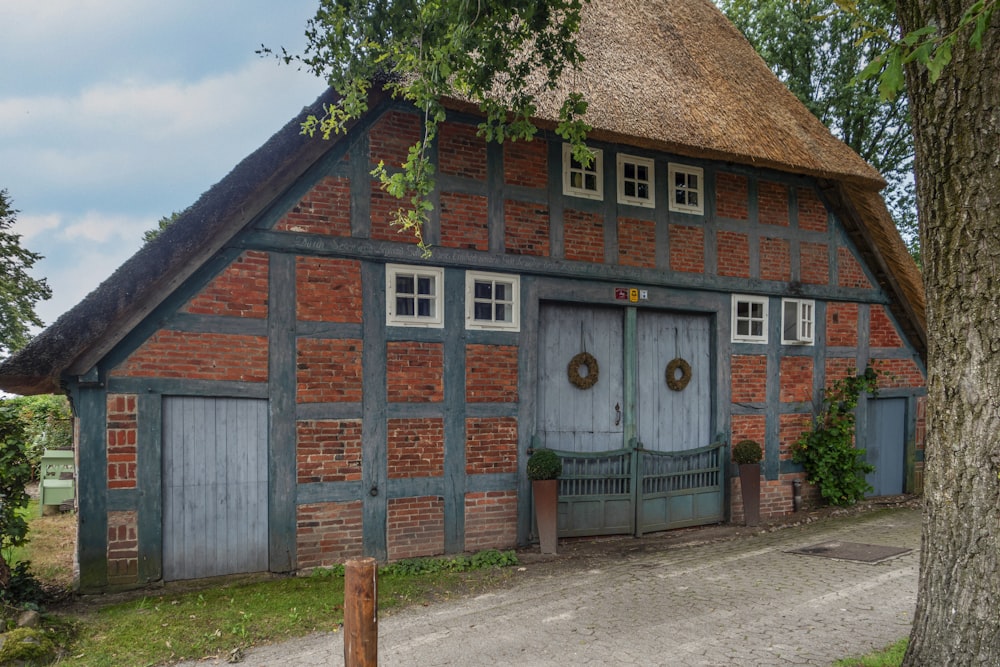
pixel 956 128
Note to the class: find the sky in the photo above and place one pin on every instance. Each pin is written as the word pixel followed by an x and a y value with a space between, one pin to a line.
pixel 115 113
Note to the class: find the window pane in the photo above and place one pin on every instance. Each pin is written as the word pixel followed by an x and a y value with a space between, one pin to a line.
pixel 743 327
pixel 629 170
pixel 404 306
pixel 643 191
pixel 680 198
pixel 742 309
pixel 425 307
pixel 643 172
pixel 483 290
pixel 757 310
pixel 692 199
pixel 757 328
pixel 404 284
pixel 482 311
pixel 502 313
pixel 576 180
pixel 591 182
pixel 629 188
pixel 502 291
pixel 425 285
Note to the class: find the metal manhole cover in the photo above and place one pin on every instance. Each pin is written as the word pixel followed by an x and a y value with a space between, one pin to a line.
pixel 864 553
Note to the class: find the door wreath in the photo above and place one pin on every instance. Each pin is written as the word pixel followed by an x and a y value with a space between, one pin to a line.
pixel 674 382
pixel 586 360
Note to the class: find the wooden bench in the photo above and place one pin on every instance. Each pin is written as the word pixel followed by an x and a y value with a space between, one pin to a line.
pixel 56 483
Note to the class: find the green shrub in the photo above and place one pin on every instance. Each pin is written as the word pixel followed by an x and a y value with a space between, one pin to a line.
pixel 747 451
pixel 827 451
pixel 15 473
pixel 544 464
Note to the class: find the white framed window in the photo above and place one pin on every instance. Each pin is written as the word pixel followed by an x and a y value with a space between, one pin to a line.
pixel 413 296
pixel 749 319
pixel 687 188
pixel 583 181
pixel 492 301
pixel 635 181
pixel 797 321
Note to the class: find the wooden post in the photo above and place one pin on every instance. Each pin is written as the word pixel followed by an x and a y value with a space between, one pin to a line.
pixel 360 613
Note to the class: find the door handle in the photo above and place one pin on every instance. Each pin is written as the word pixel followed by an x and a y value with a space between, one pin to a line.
pixel 618 414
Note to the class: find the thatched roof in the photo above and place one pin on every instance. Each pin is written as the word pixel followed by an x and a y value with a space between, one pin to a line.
pixel 670 75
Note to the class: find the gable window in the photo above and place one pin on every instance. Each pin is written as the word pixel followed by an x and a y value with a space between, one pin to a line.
pixel 687 188
pixel 413 296
pixel 492 301
pixel 749 319
pixel 580 180
pixel 635 181
pixel 797 318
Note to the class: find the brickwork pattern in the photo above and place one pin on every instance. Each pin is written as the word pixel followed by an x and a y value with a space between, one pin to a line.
pixel 637 242
pixel 775 259
pixel 328 370
pixel 731 196
pixel 325 209
pixel 122 427
pixel 464 221
pixel 526 228
pixel 838 368
pixel 328 534
pixel 461 152
pixel 415 372
pixel 882 332
pixel 239 291
pixel 415 447
pixel 687 248
pixel 772 203
pixel 749 427
pixel 199 356
pixel 123 547
pixel 812 212
pixel 733 254
pixel 814 263
pixel 389 140
pixel 746 372
pixel 791 428
pixel 583 235
pixel 490 445
pixel 328 451
pixel 383 209
pixel 416 527
pixel 490 520
pixel 895 373
pixel 796 379
pixel 849 271
pixel 327 289
pixel 842 324
pixel 491 373
pixel 526 163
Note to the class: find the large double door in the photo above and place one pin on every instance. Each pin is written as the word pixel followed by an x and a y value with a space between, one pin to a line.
pixel 637 450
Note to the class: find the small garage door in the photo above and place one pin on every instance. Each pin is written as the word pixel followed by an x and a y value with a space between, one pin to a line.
pixel 885 446
pixel 214 487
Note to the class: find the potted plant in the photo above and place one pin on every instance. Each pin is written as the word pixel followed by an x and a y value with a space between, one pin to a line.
pixel 747 455
pixel 544 468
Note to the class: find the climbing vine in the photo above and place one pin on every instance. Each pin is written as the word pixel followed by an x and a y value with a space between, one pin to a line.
pixel 827 451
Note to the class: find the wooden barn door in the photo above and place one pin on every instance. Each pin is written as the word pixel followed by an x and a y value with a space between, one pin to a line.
pixel 637 456
pixel 214 487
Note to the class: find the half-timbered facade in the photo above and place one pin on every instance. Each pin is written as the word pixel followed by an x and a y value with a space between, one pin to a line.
pixel 282 380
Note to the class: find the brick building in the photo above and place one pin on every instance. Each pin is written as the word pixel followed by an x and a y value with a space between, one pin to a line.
pixel 281 380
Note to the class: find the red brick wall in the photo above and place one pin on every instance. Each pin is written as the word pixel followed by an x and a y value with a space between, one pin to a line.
pixel 746 373
pixel 383 210
pixel 389 140
pixel 812 212
pixel 526 228
pixel 415 527
pixel 416 447
pixel 490 445
pixel 328 370
pixel 327 289
pixel 772 203
pixel 749 427
pixel 583 235
pixel 796 379
pixel 734 254
pixel 123 547
pixel 491 373
pixel 731 196
pixel 791 428
pixel 849 271
pixel 898 373
pixel 882 331
pixel 842 324
pixel 199 356
pixel 775 259
pixel 636 242
pixel 464 221
pixel 328 451
pixel 415 372
pixel 687 248
pixel 122 426
pixel 838 368
pixel 490 520
pixel 526 163
pixel 328 533
pixel 814 263
pixel 326 209
pixel 239 291
pixel 461 152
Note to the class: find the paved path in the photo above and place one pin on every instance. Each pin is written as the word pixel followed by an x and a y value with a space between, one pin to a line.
pixel 746 601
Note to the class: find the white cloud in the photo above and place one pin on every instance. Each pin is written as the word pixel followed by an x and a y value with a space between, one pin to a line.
pixel 30 226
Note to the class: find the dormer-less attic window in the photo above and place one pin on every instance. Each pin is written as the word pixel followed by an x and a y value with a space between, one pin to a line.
pixel 687 188
pixel 635 181
pixel 583 181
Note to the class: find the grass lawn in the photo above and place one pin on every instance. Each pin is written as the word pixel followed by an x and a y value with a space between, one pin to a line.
pixel 891 656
